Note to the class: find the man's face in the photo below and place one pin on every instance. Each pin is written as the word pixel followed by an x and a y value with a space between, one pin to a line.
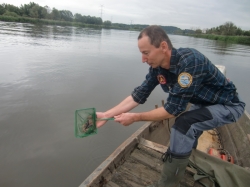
pixel 150 54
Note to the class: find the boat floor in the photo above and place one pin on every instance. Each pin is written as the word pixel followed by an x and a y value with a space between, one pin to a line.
pixel 143 167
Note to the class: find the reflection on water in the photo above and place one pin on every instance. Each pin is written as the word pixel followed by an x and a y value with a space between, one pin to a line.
pixel 47 72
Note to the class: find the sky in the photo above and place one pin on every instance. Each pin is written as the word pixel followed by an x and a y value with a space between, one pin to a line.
pixel 185 14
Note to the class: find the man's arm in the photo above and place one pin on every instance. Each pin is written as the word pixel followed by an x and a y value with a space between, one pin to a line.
pixel 153 115
pixel 126 105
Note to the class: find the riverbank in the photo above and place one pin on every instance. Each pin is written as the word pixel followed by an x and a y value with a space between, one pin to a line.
pixel 21 19
pixel 244 40
pixel 45 21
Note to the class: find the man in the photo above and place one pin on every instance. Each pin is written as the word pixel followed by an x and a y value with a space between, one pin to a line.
pixel 189 77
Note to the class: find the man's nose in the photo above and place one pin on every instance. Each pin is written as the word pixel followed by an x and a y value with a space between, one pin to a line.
pixel 144 59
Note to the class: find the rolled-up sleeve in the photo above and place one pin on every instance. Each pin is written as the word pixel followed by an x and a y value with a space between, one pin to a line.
pixel 141 93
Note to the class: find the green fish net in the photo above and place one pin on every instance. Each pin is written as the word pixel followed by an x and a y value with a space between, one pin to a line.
pixel 85 122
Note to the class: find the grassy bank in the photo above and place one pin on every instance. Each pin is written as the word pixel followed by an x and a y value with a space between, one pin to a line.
pixel 55 22
pixel 245 40
pixel 46 21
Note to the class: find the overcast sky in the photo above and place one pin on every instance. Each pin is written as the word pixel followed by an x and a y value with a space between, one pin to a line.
pixel 185 14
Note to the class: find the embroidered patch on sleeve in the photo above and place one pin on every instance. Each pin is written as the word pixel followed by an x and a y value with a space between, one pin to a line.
pixel 185 80
pixel 161 79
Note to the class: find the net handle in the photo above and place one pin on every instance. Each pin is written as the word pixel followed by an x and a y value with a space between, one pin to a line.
pixel 104 119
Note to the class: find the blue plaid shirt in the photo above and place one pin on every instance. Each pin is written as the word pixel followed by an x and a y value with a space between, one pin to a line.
pixel 208 85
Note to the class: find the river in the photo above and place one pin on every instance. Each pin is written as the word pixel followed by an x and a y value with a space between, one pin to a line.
pixel 47 72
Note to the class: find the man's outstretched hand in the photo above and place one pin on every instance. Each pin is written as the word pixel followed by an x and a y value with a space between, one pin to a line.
pixel 126 119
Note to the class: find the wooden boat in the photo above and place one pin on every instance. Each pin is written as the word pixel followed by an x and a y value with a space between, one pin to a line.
pixel 136 162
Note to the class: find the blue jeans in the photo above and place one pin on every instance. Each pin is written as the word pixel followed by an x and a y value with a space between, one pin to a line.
pixel 189 126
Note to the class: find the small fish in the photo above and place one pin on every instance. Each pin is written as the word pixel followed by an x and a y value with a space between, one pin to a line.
pixel 87 125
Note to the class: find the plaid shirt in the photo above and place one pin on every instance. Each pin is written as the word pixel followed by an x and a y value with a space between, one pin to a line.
pixel 208 84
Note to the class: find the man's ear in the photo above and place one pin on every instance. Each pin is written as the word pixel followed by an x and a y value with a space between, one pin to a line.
pixel 164 46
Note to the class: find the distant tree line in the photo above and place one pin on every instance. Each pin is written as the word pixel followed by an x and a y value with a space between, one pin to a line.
pixel 227 29
pixel 33 10
pixel 228 32
pixel 54 16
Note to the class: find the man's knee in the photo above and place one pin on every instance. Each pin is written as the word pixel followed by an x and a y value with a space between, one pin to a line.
pixel 187 119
